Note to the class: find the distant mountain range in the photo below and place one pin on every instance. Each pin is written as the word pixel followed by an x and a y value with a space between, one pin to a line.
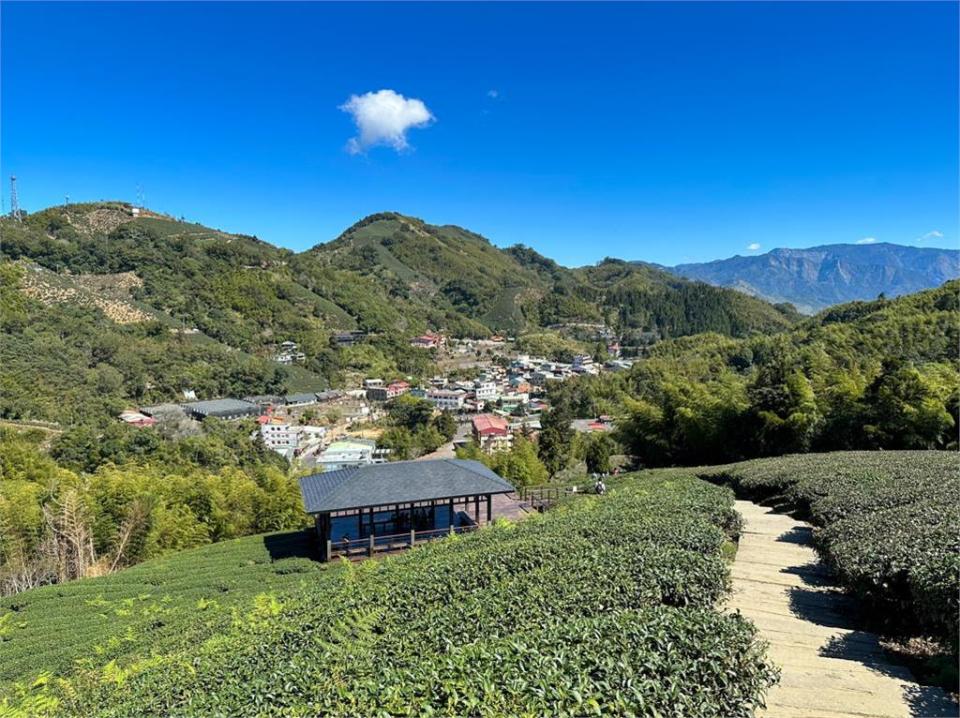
pixel 815 278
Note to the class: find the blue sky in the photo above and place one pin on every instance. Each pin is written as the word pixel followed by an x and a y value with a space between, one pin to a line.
pixel 664 132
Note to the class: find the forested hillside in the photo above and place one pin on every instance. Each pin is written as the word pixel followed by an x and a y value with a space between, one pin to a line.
pixel 104 306
pixel 871 375
pixel 387 273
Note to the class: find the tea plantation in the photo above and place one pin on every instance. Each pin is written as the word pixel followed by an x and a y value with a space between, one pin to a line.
pixel 889 526
pixel 604 605
pixel 159 606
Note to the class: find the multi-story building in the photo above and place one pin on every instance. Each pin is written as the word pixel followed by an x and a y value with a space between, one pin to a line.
pixel 491 433
pixel 486 390
pixel 446 399
pixel 390 391
pixel 288 439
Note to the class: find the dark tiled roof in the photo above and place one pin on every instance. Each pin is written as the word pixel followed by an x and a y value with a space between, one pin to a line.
pixel 300 398
pixel 398 483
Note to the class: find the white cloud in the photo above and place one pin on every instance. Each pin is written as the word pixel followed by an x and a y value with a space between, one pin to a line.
pixel 753 246
pixel 493 94
pixel 383 118
pixel 867 240
pixel 935 234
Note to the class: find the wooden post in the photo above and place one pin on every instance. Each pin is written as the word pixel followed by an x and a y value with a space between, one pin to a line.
pixel 451 515
pixel 413 537
pixel 372 539
pixel 328 554
pixel 476 509
pixel 489 508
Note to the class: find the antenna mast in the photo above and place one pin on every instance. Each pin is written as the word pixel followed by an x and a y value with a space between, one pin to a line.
pixel 14 201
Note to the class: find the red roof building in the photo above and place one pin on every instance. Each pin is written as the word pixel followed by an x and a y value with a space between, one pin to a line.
pixel 491 432
pixel 428 341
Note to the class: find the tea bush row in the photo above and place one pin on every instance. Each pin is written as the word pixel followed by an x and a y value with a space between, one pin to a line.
pixel 157 606
pixel 889 526
pixel 605 605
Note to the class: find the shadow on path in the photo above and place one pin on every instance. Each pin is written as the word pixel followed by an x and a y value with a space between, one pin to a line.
pixel 864 648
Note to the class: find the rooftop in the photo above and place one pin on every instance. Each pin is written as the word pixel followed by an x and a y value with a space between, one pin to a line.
pixel 221 406
pixel 490 424
pixel 398 483
pixel 352 445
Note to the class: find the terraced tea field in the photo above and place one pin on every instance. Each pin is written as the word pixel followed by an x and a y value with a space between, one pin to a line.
pixel 159 606
pixel 605 605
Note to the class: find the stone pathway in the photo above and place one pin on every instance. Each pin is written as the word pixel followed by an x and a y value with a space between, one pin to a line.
pixel 828 668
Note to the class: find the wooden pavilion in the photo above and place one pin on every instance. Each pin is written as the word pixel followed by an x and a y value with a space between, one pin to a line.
pixel 365 510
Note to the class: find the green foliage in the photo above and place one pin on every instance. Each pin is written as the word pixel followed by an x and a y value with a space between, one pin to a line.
pixel 889 522
pixel 520 465
pixel 597 452
pixel 601 607
pixel 160 606
pixel 201 490
pixel 389 274
pixel 878 375
pixel 641 297
pixel 552 345
pixel 415 428
pixel 72 365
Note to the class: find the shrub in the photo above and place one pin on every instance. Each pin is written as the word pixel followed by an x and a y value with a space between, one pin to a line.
pixel 889 526
pixel 604 605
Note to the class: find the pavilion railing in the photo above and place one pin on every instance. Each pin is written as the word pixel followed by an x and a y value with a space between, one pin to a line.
pixel 541 497
pixel 373 544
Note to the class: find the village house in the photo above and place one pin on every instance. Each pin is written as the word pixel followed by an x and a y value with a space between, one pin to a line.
pixel 136 418
pixel 289 440
pixel 288 353
pixel 390 391
pixel 345 453
pixel 491 433
pixel 300 400
pixel 266 402
pixel 428 341
pixel 348 339
pixel 446 399
pixel 485 390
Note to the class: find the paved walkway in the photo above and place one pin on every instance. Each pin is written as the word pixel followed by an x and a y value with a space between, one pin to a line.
pixel 828 668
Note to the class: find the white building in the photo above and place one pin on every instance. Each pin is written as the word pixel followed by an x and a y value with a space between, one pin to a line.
pixel 485 390
pixel 445 399
pixel 350 452
pixel 288 440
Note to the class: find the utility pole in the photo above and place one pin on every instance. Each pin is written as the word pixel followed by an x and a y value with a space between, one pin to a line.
pixel 14 201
